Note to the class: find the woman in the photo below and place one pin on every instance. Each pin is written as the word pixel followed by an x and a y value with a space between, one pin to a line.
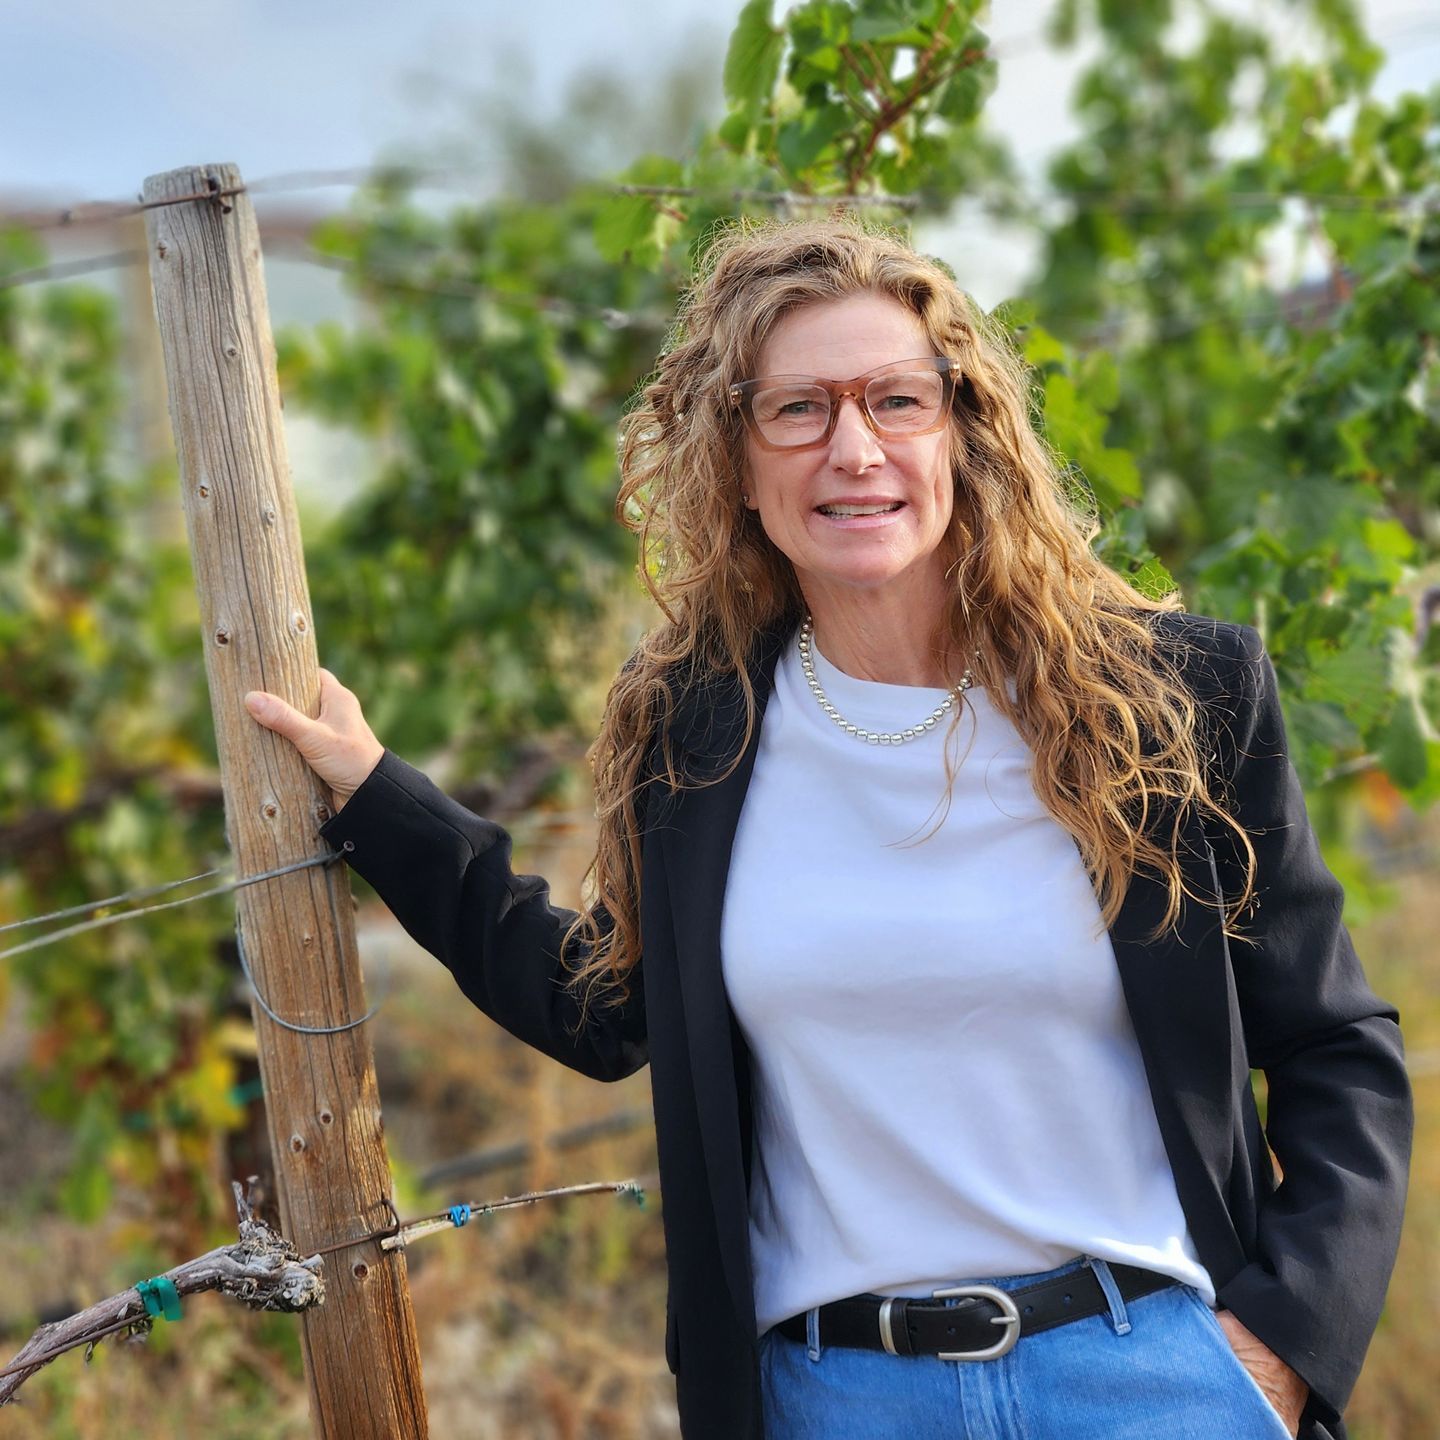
pixel 951 889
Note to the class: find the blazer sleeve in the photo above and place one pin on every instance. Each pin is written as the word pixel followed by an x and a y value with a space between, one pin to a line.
pixel 1340 1111
pixel 444 873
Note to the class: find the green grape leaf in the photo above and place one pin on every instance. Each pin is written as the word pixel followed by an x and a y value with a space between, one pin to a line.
pixel 752 63
pixel 802 141
pixel 1403 749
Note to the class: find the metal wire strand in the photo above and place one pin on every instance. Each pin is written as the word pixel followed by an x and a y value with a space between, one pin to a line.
pixel 104 920
pixel 92 905
pixel 265 1005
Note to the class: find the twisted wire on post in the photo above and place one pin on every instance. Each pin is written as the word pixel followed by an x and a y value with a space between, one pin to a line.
pixel 264 1004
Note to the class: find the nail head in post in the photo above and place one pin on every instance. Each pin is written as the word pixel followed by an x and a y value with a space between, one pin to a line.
pixel 213 185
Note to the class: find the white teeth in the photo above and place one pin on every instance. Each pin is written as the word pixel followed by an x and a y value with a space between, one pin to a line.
pixel 860 509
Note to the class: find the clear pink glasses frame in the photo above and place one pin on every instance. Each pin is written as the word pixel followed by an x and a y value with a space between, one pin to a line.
pixel 742 394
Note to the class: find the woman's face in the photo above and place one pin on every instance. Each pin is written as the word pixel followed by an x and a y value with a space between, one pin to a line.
pixel 839 559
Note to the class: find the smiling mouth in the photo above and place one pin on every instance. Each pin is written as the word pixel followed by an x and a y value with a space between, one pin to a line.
pixel 844 512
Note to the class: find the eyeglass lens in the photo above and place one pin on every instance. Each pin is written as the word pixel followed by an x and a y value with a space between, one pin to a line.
pixel 794 413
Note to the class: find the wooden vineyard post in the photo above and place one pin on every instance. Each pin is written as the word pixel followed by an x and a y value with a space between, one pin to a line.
pixel 362 1360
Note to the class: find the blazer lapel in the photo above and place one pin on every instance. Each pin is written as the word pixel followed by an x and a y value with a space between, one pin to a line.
pixel 696 839
pixel 1181 1006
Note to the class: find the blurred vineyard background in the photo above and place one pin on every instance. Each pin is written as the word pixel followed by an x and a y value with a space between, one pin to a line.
pixel 1227 279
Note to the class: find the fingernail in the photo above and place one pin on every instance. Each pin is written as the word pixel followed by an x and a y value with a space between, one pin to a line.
pixel 256 703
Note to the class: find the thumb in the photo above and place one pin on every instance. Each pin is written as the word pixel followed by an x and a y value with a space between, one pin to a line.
pixel 274 713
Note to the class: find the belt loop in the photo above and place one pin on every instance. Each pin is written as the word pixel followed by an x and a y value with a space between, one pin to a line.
pixel 812 1331
pixel 883 1319
pixel 900 1326
pixel 1102 1273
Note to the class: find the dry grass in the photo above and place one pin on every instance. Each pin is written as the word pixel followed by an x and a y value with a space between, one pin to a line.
pixel 1398 1396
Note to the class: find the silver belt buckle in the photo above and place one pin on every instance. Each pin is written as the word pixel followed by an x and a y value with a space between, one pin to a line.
pixel 1009 1318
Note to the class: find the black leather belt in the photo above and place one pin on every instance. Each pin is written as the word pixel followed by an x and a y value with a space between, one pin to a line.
pixel 985 1324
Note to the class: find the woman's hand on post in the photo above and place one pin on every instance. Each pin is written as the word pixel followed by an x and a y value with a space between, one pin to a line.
pixel 337 745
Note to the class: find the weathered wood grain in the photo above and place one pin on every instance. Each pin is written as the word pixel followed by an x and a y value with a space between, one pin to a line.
pixel 361 1357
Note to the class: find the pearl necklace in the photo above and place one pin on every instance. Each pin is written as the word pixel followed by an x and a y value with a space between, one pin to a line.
pixel 872 737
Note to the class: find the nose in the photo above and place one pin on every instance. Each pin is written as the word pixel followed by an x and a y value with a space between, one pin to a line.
pixel 854 446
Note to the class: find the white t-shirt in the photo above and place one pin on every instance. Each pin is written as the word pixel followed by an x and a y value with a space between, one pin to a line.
pixel 947 1085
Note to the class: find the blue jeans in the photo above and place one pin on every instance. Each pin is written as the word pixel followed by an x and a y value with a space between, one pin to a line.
pixel 1157 1366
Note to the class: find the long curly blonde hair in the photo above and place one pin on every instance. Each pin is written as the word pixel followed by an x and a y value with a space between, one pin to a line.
pixel 1114 732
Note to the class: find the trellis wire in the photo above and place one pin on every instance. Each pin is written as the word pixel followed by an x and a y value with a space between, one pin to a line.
pixel 558 817
pixel 617 319
pixel 147 909
pixel 399 1233
pixel 460 289
pixel 93 905
pixel 145 892
pixel 264 1004
pixel 1139 201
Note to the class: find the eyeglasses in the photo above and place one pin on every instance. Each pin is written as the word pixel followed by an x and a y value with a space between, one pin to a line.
pixel 797 412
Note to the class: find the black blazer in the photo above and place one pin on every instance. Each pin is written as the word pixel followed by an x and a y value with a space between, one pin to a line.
pixel 1305 1266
